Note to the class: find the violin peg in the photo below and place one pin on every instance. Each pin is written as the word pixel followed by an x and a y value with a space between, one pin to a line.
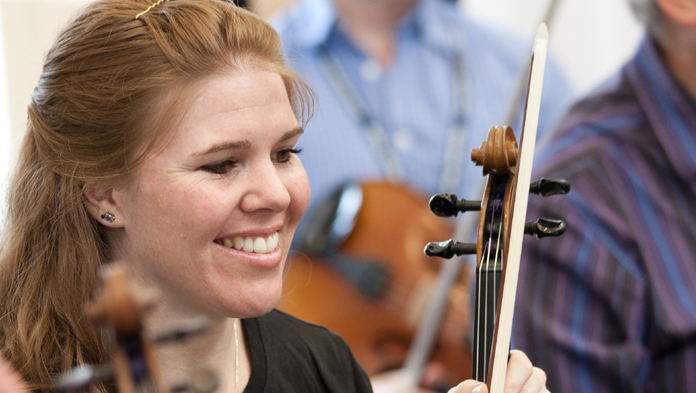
pixel 448 205
pixel 449 249
pixel 548 187
pixel 544 227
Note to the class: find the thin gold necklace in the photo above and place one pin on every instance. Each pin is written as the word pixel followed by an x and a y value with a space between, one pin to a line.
pixel 236 357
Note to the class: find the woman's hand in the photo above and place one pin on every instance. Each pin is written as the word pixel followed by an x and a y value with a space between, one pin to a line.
pixel 521 376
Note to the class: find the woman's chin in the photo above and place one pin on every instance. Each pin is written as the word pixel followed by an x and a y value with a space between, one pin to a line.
pixel 252 305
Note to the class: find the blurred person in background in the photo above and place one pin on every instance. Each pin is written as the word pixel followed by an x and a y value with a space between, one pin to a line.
pixel 611 306
pixel 406 89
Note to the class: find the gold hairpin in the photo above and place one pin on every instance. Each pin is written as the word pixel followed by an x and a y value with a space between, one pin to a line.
pixel 150 7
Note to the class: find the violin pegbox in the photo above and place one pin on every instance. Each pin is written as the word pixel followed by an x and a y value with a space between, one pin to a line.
pixel 499 157
pixel 119 307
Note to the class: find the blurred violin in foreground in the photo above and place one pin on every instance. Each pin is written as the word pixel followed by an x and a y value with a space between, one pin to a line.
pixel 119 308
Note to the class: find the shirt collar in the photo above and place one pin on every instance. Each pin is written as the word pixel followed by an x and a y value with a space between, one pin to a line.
pixel 438 23
pixel 312 22
pixel 669 109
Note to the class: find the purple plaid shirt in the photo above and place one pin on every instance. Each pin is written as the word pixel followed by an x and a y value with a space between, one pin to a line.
pixel 611 305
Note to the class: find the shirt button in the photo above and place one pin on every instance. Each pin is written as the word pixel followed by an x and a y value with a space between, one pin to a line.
pixel 370 70
pixel 403 140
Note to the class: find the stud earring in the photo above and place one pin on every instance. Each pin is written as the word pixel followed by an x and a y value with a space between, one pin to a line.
pixel 108 216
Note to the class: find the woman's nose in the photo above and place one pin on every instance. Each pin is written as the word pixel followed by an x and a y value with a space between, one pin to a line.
pixel 267 190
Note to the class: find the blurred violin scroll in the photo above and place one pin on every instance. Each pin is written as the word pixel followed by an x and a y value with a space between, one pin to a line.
pixel 119 308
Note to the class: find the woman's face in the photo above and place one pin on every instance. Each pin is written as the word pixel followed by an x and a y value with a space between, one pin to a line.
pixel 210 215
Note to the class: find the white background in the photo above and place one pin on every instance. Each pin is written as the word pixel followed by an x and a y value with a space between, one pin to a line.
pixel 590 38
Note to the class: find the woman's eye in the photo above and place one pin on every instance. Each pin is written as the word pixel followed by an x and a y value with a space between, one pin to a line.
pixel 220 167
pixel 284 156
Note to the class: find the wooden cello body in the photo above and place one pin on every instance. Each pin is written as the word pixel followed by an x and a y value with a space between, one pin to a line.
pixel 389 229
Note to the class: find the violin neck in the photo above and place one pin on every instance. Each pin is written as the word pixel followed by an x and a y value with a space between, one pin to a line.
pixel 487 291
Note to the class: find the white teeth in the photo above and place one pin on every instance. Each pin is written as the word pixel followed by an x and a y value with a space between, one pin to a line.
pixel 258 245
pixel 238 242
pixel 248 245
pixel 271 243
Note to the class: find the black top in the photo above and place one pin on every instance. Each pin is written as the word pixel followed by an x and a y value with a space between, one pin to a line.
pixel 289 355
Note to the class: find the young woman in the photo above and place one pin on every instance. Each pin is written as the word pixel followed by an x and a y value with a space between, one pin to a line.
pixel 163 136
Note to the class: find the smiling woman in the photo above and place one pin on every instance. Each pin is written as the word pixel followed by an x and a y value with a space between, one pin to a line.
pixel 157 141
pixel 225 174
pixel 167 142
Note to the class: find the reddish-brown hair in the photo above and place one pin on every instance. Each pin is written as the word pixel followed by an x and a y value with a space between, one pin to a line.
pixel 111 86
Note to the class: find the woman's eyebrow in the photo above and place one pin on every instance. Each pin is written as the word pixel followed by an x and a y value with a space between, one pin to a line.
pixel 225 146
pixel 240 145
pixel 291 134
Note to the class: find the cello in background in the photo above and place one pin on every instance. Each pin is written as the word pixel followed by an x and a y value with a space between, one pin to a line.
pixel 501 227
pixel 361 273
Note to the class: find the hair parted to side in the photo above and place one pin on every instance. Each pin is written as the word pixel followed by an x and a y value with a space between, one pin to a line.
pixel 647 12
pixel 111 86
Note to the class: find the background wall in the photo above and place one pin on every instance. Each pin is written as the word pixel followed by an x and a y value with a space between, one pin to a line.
pixel 591 38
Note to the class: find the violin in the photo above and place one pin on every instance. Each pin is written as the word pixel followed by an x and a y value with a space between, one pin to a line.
pixel 501 227
pixel 119 308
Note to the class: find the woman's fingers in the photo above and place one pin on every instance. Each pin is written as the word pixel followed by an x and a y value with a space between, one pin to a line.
pixel 537 383
pixel 470 386
pixel 522 376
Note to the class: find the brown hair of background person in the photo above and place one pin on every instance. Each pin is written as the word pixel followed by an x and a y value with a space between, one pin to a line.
pixel 111 86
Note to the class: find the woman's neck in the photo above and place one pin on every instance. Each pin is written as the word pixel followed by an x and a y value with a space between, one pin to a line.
pixel 677 44
pixel 220 348
pixel 372 25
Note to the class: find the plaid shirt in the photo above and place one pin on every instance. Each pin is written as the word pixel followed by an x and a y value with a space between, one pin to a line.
pixel 611 305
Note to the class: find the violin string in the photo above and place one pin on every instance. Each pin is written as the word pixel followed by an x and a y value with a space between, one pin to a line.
pixel 489 272
pixel 495 266
pixel 485 312
pixel 477 343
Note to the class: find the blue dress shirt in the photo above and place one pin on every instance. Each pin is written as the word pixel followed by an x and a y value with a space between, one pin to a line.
pixel 415 99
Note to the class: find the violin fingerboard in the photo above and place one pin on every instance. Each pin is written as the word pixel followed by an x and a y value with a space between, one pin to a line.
pixel 487 290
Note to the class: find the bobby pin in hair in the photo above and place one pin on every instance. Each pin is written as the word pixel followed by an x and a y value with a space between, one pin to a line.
pixel 151 7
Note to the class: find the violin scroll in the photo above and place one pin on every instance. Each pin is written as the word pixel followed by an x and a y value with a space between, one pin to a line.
pixel 120 307
pixel 498 154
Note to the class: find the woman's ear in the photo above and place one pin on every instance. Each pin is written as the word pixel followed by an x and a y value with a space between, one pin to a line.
pixel 102 206
pixel 680 11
